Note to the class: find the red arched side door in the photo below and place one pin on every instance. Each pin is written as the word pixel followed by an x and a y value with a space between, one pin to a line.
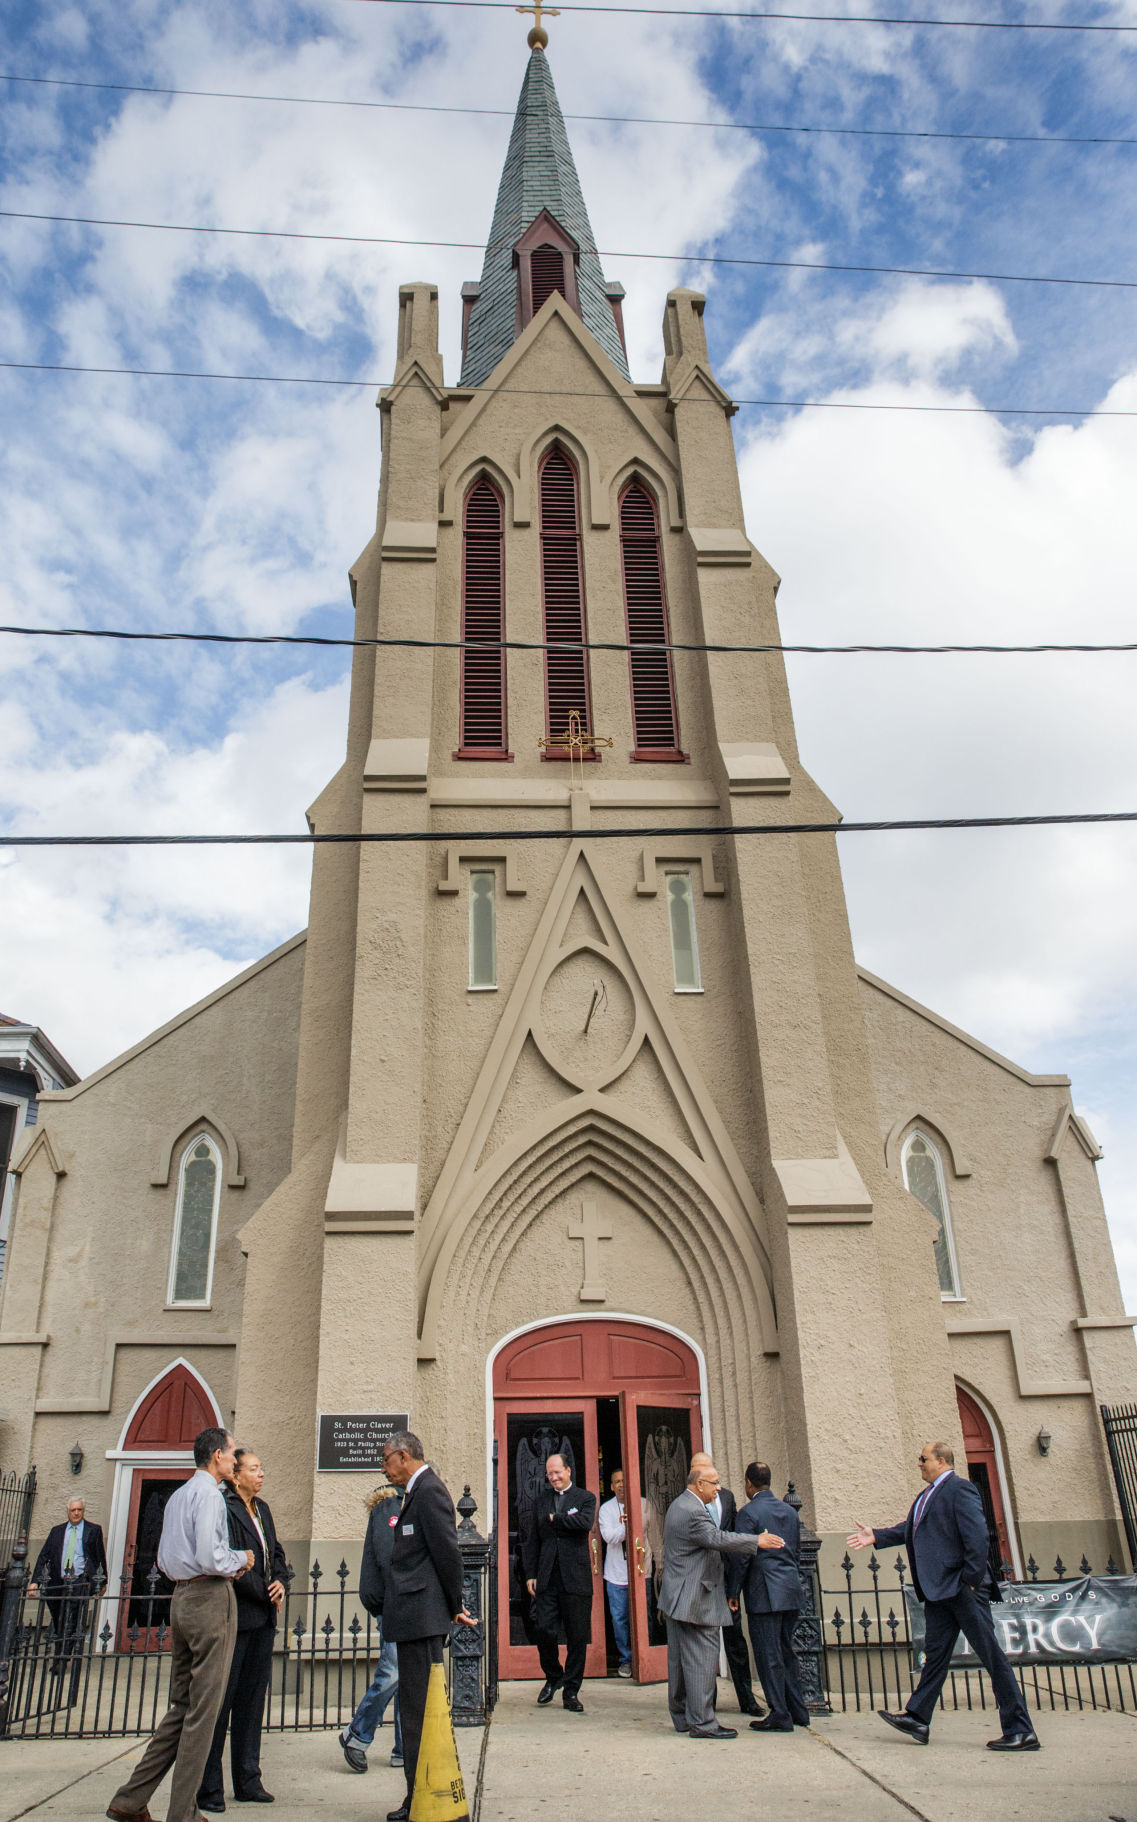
pixel 610 1395
pixel 170 1416
pixel 983 1470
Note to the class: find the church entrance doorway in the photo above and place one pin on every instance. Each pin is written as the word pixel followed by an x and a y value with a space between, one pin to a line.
pixel 985 1469
pixel 607 1394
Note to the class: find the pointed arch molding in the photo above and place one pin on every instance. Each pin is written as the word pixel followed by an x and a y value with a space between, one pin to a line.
pixel 936 1131
pixel 693 1187
pixel 160 1176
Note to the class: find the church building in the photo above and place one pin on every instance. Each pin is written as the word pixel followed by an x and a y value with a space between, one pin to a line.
pixel 570 1120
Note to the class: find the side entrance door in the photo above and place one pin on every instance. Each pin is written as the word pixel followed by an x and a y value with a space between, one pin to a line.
pixel 659 1441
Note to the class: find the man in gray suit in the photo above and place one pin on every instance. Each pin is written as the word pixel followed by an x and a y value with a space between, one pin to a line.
pixel 693 1597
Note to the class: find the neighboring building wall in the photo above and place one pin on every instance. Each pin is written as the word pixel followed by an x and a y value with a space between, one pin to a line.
pixel 85 1323
pixel 1039 1330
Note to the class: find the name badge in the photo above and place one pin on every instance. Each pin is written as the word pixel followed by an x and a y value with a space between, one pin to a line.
pixel 408 1530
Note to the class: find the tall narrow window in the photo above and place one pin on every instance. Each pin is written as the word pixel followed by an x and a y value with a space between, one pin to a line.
pixel 924 1177
pixel 483 730
pixel 684 948
pixel 562 593
pixel 483 930
pixel 195 1222
pixel 655 722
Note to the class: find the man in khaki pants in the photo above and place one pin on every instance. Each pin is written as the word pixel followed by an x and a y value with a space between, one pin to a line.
pixel 194 1553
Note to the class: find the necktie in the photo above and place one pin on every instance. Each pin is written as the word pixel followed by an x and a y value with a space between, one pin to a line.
pixel 69 1551
pixel 921 1503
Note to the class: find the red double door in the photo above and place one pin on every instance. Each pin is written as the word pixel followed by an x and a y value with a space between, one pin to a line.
pixel 607 1395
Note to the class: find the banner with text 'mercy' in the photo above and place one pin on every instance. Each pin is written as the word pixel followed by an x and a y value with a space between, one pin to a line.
pixel 1089 1621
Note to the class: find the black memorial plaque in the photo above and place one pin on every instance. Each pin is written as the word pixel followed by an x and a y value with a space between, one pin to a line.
pixel 352 1442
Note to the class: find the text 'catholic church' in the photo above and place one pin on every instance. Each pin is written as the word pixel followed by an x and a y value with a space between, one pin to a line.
pixel 550 1138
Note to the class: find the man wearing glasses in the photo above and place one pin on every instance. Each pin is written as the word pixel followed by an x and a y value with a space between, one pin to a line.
pixel 945 1535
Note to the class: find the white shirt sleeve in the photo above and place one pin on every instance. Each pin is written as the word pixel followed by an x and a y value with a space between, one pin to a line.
pixel 613 1529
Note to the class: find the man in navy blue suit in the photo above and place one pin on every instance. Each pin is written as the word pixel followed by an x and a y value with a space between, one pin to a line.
pixel 770 1584
pixel 945 1535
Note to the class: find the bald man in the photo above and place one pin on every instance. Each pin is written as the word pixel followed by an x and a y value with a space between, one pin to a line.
pixel 558 1575
pixel 724 1510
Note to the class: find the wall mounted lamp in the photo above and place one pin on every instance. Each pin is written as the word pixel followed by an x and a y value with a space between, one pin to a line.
pixel 1044 1441
pixel 75 1457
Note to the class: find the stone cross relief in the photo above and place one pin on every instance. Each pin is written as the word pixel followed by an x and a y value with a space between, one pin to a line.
pixel 591 1229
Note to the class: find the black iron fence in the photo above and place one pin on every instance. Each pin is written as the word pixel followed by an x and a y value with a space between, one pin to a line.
pixel 871 1661
pixel 17 1502
pixel 1120 1423
pixel 84 1661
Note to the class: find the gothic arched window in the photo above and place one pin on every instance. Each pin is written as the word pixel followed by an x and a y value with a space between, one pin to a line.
pixel 562 595
pixel 483 733
pixel 924 1177
pixel 654 719
pixel 195 1222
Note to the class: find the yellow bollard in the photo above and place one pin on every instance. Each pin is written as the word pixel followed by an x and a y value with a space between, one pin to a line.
pixel 439 1793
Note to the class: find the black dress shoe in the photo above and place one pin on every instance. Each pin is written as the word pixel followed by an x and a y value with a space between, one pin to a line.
pixel 714 1733
pixel 212 1807
pixel 549 1691
pixel 906 1723
pixel 769 1725
pixel 573 1704
pixel 260 1795
pixel 1016 1742
pixel 754 1709
pixel 402 1814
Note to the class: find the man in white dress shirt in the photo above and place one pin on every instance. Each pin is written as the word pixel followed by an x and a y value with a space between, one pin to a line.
pixel 613 1529
pixel 194 1553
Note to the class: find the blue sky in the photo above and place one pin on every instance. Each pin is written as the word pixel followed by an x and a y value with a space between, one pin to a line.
pixel 150 503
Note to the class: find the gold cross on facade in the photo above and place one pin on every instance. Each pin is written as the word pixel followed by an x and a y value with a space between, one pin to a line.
pixel 576 741
pixel 539 37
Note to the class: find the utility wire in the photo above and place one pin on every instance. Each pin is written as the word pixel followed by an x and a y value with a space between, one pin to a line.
pixel 691 12
pixel 662 832
pixel 540 645
pixel 296 379
pixel 620 120
pixel 477 246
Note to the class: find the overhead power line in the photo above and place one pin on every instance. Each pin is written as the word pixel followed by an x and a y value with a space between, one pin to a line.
pixel 541 645
pixel 662 831
pixel 621 120
pixel 690 12
pixel 477 246
pixel 299 379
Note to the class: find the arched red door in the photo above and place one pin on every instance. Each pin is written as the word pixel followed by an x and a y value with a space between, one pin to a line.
pixel 983 1470
pixel 606 1394
pixel 173 1412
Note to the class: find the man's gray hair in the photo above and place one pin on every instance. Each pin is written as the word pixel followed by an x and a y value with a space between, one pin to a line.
pixel 406 1441
pixel 698 1474
pixel 943 1452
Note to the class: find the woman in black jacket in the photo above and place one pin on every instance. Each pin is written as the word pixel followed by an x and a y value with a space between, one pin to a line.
pixel 260 1594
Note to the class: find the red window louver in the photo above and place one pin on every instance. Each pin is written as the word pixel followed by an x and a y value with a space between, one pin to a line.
pixel 654 717
pixel 547 274
pixel 562 591
pixel 483 730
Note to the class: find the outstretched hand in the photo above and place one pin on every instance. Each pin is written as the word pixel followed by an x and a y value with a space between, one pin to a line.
pixel 862 1538
pixel 768 1540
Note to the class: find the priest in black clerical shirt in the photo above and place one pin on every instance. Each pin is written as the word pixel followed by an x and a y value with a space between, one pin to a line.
pixel 558 1575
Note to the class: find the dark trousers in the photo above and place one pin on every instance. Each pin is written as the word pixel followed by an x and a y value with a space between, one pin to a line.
pixel 553 1607
pixel 772 1635
pixel 415 1658
pixel 241 1715
pixel 738 1662
pixel 970 1614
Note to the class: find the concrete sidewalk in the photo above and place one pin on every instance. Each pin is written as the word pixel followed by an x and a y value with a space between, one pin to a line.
pixel 621 1759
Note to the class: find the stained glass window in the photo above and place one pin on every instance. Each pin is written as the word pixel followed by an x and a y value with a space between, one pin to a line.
pixel 483 930
pixel 684 949
pixel 924 1177
pixel 198 1185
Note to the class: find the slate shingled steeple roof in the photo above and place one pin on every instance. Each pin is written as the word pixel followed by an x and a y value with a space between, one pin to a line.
pixel 539 173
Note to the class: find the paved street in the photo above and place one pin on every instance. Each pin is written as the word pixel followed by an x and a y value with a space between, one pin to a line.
pixel 622 1759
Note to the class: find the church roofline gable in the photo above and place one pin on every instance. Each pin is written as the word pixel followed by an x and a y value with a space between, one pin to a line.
pixel 965 1037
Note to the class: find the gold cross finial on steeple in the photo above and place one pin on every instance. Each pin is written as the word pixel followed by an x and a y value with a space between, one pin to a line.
pixel 539 37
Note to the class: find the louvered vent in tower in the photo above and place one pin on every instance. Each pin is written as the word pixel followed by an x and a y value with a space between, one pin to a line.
pixel 483 731
pixel 562 592
pixel 547 274
pixel 654 719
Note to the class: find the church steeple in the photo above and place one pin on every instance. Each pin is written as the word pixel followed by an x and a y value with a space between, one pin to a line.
pixel 541 239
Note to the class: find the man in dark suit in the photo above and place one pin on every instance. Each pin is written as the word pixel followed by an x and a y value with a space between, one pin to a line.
pixel 260 1595
pixel 558 1574
pixel 770 1586
pixel 945 1535
pixel 423 1592
pixel 72 1558
pixel 724 1510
